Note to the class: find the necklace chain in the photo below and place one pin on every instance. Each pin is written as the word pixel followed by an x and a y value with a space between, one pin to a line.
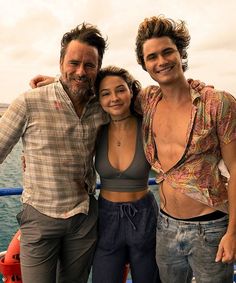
pixel 122 119
pixel 119 142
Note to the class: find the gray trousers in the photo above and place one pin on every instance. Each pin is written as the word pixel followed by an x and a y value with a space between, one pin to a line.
pixel 57 250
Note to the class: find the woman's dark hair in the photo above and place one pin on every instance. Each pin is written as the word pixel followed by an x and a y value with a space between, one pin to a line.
pixel 133 84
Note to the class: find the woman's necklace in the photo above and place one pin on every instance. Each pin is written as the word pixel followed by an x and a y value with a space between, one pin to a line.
pixel 119 141
pixel 121 119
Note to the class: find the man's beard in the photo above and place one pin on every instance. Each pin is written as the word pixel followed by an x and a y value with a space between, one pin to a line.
pixel 79 94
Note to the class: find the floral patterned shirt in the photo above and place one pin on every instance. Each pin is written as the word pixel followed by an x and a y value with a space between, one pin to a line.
pixel 213 122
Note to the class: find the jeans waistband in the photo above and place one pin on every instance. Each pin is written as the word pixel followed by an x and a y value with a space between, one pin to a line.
pixel 175 222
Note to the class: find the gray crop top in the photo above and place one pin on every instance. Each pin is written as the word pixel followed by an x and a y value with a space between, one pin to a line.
pixel 134 178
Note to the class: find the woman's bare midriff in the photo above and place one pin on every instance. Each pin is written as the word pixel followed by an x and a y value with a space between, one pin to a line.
pixel 179 205
pixel 123 196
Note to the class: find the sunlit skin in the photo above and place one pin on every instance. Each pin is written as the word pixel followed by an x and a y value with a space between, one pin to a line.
pixel 115 97
pixel 79 67
pixel 171 121
pixel 163 61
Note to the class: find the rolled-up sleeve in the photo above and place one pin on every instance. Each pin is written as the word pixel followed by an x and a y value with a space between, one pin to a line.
pixel 12 126
pixel 226 123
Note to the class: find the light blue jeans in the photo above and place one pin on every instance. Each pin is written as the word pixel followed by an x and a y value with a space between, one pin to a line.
pixel 184 248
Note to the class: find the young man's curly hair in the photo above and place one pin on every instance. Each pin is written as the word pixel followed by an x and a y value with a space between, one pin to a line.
pixel 159 26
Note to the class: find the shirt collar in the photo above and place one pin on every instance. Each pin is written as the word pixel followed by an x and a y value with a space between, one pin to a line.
pixel 195 95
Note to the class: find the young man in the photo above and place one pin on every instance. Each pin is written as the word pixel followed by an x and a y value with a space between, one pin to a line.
pixel 58 124
pixel 186 133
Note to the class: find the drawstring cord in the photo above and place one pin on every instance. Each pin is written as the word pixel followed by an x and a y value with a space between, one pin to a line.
pixel 128 210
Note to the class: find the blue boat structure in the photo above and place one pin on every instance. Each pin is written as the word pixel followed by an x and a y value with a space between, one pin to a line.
pixel 18 191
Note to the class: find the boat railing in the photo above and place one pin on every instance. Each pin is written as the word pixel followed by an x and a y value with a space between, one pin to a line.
pixel 18 191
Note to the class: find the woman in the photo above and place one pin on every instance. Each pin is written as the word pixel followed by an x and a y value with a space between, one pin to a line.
pixel 127 209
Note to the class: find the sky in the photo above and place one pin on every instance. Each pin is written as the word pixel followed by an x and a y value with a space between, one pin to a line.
pixel 31 31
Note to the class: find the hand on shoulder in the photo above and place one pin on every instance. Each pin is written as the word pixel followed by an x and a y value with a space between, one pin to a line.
pixel 41 80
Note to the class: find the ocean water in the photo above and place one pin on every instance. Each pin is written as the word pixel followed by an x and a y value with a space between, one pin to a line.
pixel 10 177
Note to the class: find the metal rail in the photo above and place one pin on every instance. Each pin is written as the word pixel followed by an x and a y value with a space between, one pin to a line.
pixel 18 191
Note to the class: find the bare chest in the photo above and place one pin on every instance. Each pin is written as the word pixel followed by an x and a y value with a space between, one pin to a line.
pixel 170 130
pixel 171 126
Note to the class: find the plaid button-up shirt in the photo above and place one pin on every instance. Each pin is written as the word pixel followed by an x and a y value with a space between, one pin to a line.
pixel 58 148
pixel 213 122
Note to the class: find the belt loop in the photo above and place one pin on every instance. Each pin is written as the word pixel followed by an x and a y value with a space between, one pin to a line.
pixel 200 229
pixel 166 222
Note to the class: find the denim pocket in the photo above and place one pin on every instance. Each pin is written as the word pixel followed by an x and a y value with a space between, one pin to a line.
pixel 213 236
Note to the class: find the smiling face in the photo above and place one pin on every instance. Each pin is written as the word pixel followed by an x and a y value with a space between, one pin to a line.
pixel 162 60
pixel 79 67
pixel 115 97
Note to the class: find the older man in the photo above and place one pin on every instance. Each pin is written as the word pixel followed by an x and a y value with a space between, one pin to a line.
pixel 58 124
